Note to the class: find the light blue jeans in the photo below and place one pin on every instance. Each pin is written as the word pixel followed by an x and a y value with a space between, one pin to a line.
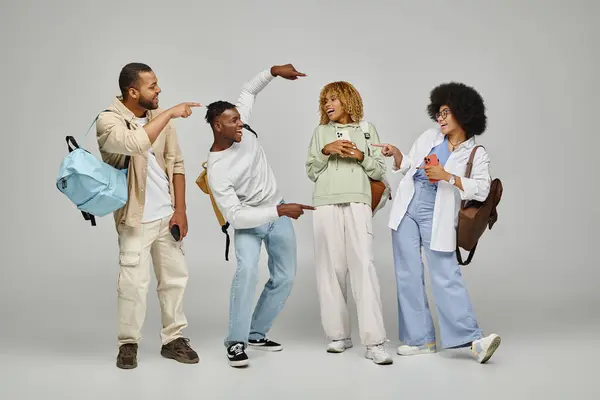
pixel 280 242
pixel 458 325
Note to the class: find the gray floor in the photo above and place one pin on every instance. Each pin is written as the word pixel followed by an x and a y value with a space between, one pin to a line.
pixel 548 366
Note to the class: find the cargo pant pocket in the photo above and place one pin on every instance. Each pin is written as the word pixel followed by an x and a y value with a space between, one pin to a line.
pixel 130 245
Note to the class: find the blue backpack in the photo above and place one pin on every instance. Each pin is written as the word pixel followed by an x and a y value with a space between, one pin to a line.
pixel 95 187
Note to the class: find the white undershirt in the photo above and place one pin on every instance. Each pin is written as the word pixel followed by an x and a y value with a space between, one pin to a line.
pixel 158 199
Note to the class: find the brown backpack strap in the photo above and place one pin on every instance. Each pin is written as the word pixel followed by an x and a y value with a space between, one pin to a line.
pixel 469 169
pixel 470 162
pixel 469 258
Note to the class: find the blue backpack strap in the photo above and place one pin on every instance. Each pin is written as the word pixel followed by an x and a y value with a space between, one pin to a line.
pixel 71 141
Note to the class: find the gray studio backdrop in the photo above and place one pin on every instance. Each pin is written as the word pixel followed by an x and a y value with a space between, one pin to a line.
pixel 533 61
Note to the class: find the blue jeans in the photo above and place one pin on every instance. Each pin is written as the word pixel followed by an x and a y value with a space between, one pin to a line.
pixel 280 242
pixel 458 325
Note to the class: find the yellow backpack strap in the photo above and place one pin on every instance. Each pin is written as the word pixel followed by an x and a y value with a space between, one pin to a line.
pixel 202 182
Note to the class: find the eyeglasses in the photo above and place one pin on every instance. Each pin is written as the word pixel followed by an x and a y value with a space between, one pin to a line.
pixel 444 113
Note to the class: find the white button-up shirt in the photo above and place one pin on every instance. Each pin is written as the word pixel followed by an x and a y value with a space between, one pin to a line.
pixel 448 197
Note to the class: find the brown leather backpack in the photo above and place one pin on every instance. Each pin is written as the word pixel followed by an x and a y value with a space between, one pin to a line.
pixel 475 216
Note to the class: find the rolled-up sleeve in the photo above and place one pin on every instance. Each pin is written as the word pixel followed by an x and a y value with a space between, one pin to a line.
pixel 406 164
pixel 408 160
pixel 477 187
pixel 114 136
pixel 174 151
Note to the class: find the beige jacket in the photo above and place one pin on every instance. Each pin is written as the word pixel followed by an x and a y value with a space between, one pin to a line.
pixel 119 135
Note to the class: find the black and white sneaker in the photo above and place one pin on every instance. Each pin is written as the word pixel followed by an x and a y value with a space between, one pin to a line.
pixel 265 344
pixel 237 356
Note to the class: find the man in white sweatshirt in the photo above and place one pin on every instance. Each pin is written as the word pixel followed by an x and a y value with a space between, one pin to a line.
pixel 246 193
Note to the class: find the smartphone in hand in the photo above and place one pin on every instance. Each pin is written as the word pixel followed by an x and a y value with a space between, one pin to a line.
pixel 432 161
pixel 175 232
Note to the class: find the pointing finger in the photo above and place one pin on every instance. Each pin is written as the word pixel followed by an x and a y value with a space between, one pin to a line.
pixel 305 207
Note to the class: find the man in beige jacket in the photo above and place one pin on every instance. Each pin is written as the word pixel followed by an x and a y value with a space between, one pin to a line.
pixel 134 126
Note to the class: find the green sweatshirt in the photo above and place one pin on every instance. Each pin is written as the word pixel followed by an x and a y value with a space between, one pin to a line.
pixel 343 180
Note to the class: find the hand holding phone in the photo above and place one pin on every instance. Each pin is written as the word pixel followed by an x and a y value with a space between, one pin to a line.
pixel 432 161
pixel 175 232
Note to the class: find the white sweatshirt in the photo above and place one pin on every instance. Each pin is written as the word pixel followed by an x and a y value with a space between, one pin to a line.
pixel 240 177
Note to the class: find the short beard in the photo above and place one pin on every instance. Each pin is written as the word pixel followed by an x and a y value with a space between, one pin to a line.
pixel 148 105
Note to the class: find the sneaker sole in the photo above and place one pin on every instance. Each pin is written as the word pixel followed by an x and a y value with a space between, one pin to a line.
pixel 338 351
pixel 414 353
pixel 370 357
pixel 388 362
pixel 126 366
pixel 239 364
pixel 492 349
pixel 173 356
pixel 265 348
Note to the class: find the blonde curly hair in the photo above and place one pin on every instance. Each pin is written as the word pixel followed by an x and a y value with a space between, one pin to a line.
pixel 349 97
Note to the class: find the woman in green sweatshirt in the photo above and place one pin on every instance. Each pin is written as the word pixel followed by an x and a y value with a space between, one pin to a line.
pixel 341 162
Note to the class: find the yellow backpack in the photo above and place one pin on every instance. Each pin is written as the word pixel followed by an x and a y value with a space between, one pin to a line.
pixel 202 182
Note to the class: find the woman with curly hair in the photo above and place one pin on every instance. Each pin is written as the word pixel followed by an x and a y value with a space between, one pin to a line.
pixel 341 164
pixel 425 213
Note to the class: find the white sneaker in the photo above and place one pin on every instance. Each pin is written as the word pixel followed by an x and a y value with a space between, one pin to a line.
pixel 484 348
pixel 339 346
pixel 405 350
pixel 378 354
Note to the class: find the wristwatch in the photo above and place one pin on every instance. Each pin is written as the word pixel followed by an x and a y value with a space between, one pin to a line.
pixel 452 180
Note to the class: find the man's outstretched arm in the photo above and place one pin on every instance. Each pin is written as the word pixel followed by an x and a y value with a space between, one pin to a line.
pixel 241 216
pixel 254 86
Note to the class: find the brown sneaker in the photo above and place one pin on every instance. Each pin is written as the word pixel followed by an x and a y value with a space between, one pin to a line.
pixel 127 358
pixel 180 350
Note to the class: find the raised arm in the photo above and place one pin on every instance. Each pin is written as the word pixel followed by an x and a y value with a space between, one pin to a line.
pixel 253 87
